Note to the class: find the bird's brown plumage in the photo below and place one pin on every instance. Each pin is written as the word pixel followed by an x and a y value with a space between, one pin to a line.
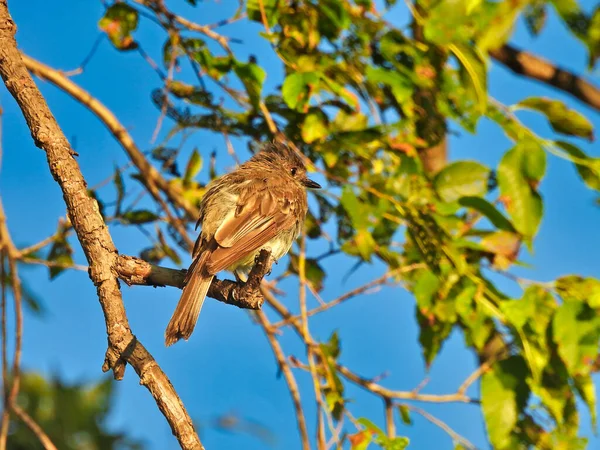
pixel 262 204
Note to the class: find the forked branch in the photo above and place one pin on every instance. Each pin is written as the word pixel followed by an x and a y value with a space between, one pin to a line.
pixel 92 234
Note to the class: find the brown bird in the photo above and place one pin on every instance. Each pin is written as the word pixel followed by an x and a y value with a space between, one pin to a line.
pixel 260 205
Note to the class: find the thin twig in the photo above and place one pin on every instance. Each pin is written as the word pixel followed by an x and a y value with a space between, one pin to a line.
pixel 34 427
pixel 321 442
pixel 353 293
pixel 453 434
pixel 11 253
pixel 289 377
pixel 5 378
pixel 390 426
pixel 87 59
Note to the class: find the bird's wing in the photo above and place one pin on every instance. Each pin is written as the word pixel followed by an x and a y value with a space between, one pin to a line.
pixel 260 215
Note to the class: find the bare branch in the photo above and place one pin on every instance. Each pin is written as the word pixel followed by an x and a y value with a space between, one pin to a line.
pixel 390 426
pixel 34 427
pixel 93 235
pixel 534 67
pixel 152 177
pixel 453 434
pixel 135 271
pixel 289 377
pixel 11 252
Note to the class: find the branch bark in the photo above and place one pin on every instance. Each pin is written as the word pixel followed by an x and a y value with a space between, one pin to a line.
pixel 135 271
pixel 537 68
pixel 93 236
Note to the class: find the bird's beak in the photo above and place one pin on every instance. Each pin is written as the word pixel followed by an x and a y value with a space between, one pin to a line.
pixel 311 184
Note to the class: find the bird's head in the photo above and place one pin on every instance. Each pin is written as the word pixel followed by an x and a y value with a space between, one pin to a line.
pixel 283 159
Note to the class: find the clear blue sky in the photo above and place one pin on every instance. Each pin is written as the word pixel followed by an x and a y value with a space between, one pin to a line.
pixel 228 366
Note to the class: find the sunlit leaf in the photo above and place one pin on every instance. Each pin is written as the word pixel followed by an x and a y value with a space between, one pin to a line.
pixel 504 395
pixel 297 89
pixel 269 10
pixel 253 77
pixel 475 65
pixel 522 201
pixel 314 127
pixel 118 22
pixel 562 119
pixel 577 333
pixel 192 168
pixel 535 16
pixel 484 207
pixel 139 217
pixel 590 171
pixel 461 179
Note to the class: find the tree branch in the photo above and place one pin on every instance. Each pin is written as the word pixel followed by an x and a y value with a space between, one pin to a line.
pixel 151 177
pixel 135 271
pixel 93 235
pixel 532 66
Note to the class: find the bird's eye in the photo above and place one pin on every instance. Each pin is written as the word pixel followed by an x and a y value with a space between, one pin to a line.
pixel 294 170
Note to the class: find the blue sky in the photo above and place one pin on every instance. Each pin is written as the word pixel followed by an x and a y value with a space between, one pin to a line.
pixel 228 366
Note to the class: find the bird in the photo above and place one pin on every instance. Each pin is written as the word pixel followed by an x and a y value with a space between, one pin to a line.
pixel 262 204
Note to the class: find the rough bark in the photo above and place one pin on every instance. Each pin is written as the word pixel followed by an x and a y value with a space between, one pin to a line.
pixel 92 234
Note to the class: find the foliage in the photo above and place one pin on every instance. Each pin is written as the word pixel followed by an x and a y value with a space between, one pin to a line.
pixel 73 415
pixel 367 102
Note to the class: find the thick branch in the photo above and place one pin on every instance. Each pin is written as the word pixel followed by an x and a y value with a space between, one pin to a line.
pixel 92 234
pixel 532 66
pixel 135 271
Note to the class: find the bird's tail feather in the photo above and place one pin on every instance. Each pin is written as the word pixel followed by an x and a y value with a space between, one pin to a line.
pixel 186 313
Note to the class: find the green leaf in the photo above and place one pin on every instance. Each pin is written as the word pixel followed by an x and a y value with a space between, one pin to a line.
pixel 488 210
pixel 297 89
pixel 576 329
pixel 192 168
pixel 575 287
pixel 474 63
pixel 365 244
pixel 426 286
pixel 522 202
pixel 60 253
pixel 500 28
pixel 271 10
pixel 432 335
pixel 448 22
pixel 349 122
pixel 589 172
pixel 562 119
pixel 460 179
pixel 401 86
pixel 118 22
pixel 167 249
pixel 341 91
pixel 356 210
pixel 404 414
pixel 314 127
pixel 253 77
pixel 139 217
pixel 504 395
pixel 532 317
pixel 313 271
pixel 587 391
pixel 505 247
pixel 120 187
pixel 333 18
pixel 593 38
pixel 535 17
